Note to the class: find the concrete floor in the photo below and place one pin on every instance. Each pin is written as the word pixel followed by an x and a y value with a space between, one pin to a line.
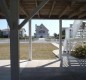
pixel 24 64
pixel 54 73
pixel 69 69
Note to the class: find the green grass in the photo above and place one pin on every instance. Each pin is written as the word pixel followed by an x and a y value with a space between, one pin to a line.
pixel 39 50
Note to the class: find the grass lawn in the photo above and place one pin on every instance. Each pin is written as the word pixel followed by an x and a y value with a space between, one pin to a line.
pixel 39 50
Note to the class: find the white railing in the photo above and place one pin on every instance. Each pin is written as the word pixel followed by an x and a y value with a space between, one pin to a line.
pixel 75 27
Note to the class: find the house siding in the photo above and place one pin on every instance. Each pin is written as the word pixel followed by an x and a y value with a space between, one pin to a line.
pixel 41 31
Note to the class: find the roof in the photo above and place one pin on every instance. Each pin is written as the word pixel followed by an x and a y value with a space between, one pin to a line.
pixel 54 9
pixel 39 27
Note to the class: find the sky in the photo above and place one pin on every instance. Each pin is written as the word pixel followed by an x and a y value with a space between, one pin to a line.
pixel 52 25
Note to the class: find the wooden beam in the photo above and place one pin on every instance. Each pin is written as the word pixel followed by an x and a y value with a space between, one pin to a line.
pixel 60 38
pixel 23 10
pixel 64 11
pixel 53 5
pixel 77 11
pixel 83 8
pixel 14 39
pixel 74 14
pixel 30 41
pixel 36 6
pixel 82 15
pixel 5 10
pixel 33 13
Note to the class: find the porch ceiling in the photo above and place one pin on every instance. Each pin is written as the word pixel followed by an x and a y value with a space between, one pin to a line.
pixel 54 9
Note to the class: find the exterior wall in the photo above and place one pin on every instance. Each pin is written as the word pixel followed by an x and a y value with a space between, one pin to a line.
pixel 22 32
pixel 6 32
pixel 41 31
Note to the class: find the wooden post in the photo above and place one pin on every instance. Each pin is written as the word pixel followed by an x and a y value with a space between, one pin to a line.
pixel 14 39
pixel 60 39
pixel 30 42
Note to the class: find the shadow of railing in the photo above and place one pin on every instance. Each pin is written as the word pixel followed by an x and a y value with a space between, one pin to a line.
pixel 75 62
pixel 47 73
pixel 49 63
pixel 70 69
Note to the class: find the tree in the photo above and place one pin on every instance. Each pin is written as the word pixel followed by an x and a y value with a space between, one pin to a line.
pixel 56 36
pixel 63 34
pixel 1 34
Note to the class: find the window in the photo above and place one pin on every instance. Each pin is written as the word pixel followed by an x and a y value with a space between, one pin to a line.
pixel 43 31
pixel 39 31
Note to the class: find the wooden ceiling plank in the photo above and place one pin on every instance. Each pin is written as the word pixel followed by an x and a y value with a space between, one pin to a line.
pixel 77 11
pixel 36 6
pixel 5 10
pixel 64 11
pixel 23 10
pixel 52 8
pixel 74 14
pixel 40 6
pixel 67 8
pixel 82 15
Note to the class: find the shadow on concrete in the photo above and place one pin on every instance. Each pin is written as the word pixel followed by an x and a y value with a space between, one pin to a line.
pixel 52 73
pixel 49 63
pixel 70 72
pixel 72 61
pixel 47 73
pixel 5 73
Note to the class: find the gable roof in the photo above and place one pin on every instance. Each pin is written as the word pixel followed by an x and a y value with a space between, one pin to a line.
pixel 39 27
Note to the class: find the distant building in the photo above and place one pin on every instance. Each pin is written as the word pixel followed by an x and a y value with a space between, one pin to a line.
pixel 6 32
pixel 41 31
pixel 1 34
pixel 81 32
pixel 22 32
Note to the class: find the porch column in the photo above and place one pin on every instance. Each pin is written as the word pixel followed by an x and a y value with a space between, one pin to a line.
pixel 30 41
pixel 60 39
pixel 14 39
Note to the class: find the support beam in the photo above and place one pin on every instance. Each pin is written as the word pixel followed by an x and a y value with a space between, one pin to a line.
pixel 60 39
pixel 77 11
pixel 33 13
pixel 73 14
pixel 14 39
pixel 36 6
pixel 82 15
pixel 23 10
pixel 64 11
pixel 53 5
pixel 30 42
pixel 5 10
pixel 67 8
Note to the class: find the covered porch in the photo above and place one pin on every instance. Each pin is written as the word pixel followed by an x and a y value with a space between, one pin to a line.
pixel 13 10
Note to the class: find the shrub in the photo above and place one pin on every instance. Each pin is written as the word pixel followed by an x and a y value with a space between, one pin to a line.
pixel 80 52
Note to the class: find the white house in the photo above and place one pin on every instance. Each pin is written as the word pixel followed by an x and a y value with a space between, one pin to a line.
pixel 22 32
pixel 41 31
pixel 73 34
pixel 6 32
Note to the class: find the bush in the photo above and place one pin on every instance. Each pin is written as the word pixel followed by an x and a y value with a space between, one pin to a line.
pixel 79 52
